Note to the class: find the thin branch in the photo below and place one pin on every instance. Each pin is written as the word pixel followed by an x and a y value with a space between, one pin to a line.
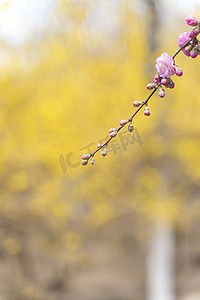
pixel 145 102
pixel 179 50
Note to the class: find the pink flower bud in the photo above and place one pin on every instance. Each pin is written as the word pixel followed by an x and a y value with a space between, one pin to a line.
pixel 123 122
pixel 99 146
pixel 137 103
pixel 84 162
pixel 194 53
pixel 194 33
pixel 156 78
pixel 191 21
pixel 188 48
pixel 104 152
pixel 112 129
pixel 150 86
pixel 147 111
pixel 179 72
pixel 85 156
pixel 161 93
pixel 164 81
pixel 187 53
pixel 130 127
pixel 113 133
pixel 92 161
pixel 172 85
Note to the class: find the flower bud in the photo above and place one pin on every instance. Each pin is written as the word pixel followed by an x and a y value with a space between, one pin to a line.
pixel 156 78
pixel 104 152
pixel 198 48
pixel 113 133
pixel 194 52
pixel 164 81
pixel 130 127
pixel 161 93
pixel 147 111
pixel 191 21
pixel 191 35
pixel 187 53
pixel 150 86
pixel 84 162
pixel 171 84
pixel 85 156
pixel 137 103
pixel 99 145
pixel 179 72
pixel 123 122
pixel 194 33
pixel 188 48
pixel 92 161
pixel 112 129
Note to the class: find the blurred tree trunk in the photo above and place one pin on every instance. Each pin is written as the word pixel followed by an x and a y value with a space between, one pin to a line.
pixel 160 268
pixel 153 23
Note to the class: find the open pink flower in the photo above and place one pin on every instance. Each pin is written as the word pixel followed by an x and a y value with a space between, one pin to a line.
pixel 183 38
pixel 165 65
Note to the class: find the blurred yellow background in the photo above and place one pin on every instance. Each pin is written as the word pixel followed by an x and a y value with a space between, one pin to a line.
pixel 70 70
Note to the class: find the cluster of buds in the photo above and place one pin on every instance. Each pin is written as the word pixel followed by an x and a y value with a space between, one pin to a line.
pixel 138 103
pixel 85 158
pixel 113 132
pixel 104 151
pixel 166 68
pixel 193 47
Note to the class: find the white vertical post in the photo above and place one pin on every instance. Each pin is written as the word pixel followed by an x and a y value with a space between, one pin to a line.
pixel 160 264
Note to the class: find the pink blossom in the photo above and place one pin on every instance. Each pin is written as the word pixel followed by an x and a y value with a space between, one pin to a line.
pixel 183 38
pixel 191 21
pixel 165 65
